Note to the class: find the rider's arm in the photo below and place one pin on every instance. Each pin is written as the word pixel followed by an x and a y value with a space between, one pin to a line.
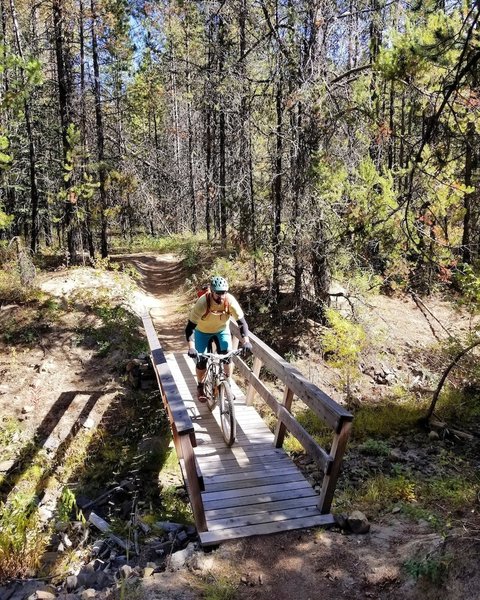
pixel 239 316
pixel 189 329
pixel 242 325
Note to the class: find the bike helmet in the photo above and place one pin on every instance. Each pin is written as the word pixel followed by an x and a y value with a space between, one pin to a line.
pixel 218 284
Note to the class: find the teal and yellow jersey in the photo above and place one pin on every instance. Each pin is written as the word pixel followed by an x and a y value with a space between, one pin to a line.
pixel 210 317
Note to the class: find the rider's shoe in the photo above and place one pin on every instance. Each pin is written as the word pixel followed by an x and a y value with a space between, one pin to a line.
pixel 201 393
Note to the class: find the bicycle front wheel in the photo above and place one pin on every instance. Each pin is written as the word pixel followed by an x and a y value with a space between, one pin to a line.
pixel 210 388
pixel 227 413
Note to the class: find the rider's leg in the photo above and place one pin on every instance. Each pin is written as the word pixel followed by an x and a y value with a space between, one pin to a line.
pixel 225 342
pixel 201 345
pixel 200 373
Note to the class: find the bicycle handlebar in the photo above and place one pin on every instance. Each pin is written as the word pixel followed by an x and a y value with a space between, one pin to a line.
pixel 221 357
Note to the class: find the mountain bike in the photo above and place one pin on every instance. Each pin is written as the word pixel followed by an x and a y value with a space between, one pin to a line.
pixel 218 391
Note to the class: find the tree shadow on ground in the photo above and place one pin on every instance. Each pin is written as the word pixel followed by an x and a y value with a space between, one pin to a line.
pixel 43 435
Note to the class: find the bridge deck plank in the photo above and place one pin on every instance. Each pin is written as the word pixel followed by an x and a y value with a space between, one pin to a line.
pixel 251 488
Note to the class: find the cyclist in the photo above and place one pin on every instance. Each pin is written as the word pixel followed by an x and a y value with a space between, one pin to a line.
pixel 208 319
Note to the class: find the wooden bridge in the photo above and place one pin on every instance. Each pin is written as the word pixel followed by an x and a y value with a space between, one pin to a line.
pixel 252 488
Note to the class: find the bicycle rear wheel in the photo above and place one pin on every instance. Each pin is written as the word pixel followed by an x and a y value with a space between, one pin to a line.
pixel 227 413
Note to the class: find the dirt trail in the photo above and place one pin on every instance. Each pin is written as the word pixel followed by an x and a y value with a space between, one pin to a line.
pixel 161 281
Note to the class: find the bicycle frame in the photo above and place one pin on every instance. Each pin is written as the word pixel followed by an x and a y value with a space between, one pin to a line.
pixel 218 391
pixel 215 364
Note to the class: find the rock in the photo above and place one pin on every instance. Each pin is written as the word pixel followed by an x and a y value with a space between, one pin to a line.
pixel 6 465
pixel 179 559
pixel 147 572
pixel 358 522
pixel 87 594
pixel 88 423
pixel 72 583
pixel 201 561
pixel 191 531
pixel 433 436
pixel 397 455
pixel 45 513
pixel 163 548
pixel 27 410
pixel 61 526
pixel 47 367
pixel 423 523
pixel 97 547
pixel 49 558
pixel 82 501
pixel 341 521
pixel 182 537
pixel 250 579
pixel 66 541
pixel 42 595
pixel 125 571
pixel 169 527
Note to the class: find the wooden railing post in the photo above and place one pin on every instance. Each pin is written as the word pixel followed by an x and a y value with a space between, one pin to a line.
pixel 257 365
pixel 281 429
pixel 339 445
pixel 193 483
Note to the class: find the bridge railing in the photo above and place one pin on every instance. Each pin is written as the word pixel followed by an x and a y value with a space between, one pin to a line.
pixel 330 412
pixel 180 423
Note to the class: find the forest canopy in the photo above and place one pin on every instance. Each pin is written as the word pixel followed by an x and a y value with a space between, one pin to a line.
pixel 324 135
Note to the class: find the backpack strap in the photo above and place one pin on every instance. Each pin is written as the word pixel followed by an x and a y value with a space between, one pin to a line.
pixel 226 304
pixel 208 296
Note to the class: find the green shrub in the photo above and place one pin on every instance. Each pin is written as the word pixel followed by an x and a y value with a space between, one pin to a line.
pixel 456 491
pixel 468 283
pixel 219 588
pixel 459 406
pixel 12 291
pixel 343 343
pixel 374 447
pixel 431 568
pixel 387 419
pixel 22 542
pixel 381 491
pixel 9 429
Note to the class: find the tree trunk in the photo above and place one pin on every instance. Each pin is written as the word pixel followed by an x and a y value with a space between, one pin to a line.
pixel 100 136
pixel 245 150
pixel 277 192
pixel 208 174
pixel 83 125
pixel 34 196
pixel 10 196
pixel 375 44
pixel 65 105
pixel 468 198
pixel 222 195
pixel 320 269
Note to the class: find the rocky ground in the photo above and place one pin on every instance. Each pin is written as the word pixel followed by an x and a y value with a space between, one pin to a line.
pixel 47 385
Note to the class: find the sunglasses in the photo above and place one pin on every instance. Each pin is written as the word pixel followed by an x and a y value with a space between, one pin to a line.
pixel 221 293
